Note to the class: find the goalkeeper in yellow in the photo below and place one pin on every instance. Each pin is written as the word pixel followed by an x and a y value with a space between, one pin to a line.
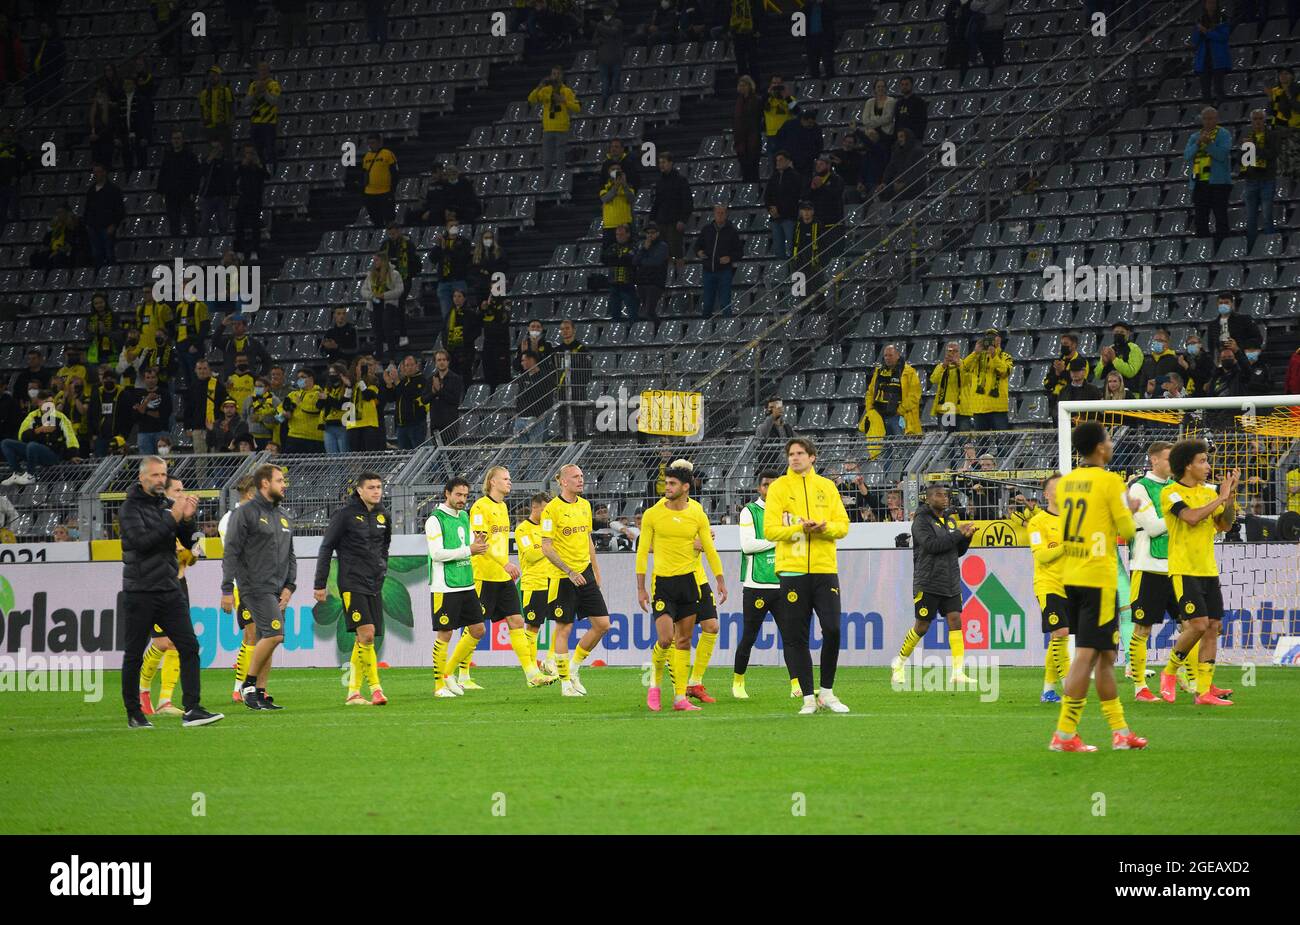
pixel 1194 510
pixel 670 530
pixel 1048 550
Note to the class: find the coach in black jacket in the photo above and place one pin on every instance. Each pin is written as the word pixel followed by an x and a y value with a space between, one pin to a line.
pixel 937 545
pixel 150 526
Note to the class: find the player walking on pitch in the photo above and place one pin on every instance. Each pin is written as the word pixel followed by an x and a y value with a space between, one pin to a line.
pixel 455 605
pixel 1094 511
pixel 573 589
pixel 706 617
pixel 532 566
pixel 248 639
pixel 1150 589
pixel 805 517
pixel 669 531
pixel 1048 550
pixel 361 532
pixel 761 588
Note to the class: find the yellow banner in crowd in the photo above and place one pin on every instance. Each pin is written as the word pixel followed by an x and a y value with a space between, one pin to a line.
pixel 671 414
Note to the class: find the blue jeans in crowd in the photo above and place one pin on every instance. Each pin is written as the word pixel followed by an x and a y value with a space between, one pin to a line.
pixel 410 436
pixel 717 290
pixel 609 74
pixel 147 444
pixel 336 439
pixel 445 289
pixel 782 237
pixel 32 456
pixel 101 247
pixel 1259 202
pixel 623 295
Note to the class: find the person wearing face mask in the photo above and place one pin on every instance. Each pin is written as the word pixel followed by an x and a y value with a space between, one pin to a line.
pixel 78 400
pixel 164 447
pixel 1196 366
pixel 339 342
pixel 34 378
pixel 233 339
pixel 331 402
pixel 460 334
pixel 1230 377
pixel 303 407
pixel 239 384
pixel 1258 378
pixel 151 316
pixel 132 355
pixel 663 26
pixel 1122 355
pixel 487 260
pixel 1232 324
pixel 1161 360
pixel 1058 374
pixel 260 411
pixel 450 259
pixel 404 257
pixel 534 341
pixel 382 289
pixel 153 412
pixel 160 355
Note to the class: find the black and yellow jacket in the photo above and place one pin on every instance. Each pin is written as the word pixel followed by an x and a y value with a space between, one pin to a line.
pixel 266 105
pixel 806 246
pixel 216 106
pixel 102 331
pixel 365 405
pixel 150 318
pixel 409 398
pixel 193 324
pixel 306 413
pixel 330 404
pixel 621 260
pixel 404 257
pixel 62 440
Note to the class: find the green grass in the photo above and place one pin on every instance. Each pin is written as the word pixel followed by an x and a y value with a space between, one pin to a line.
pixel 901 762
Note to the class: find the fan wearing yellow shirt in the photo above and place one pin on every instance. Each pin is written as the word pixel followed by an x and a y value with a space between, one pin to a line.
pixel 532 565
pixel 1048 550
pixel 1194 510
pixel 670 531
pixel 495 574
pixel 1095 511
pixel 573 589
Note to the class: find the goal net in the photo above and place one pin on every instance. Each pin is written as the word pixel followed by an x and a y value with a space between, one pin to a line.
pixel 1259 558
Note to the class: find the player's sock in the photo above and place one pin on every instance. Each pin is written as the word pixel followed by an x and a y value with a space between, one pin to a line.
pixel 371 663
pixel 1050 674
pixel 357 669
pixel 1137 660
pixel 681 662
pixel 794 686
pixel 1061 654
pixel 171 673
pixel 1113 710
pixel 550 649
pixel 1071 709
pixel 562 666
pixel 1204 677
pixel 703 652
pixel 1193 663
pixel 464 647
pixel 1176 660
pixel 658 658
pixel 149 667
pixel 579 656
pixel 532 644
pixel 439 664
pixel 242 661
pixel 519 642
pixel 909 643
pixel 957 643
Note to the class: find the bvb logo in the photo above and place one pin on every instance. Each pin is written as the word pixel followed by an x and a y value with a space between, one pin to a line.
pixel 1115 638
pixel 1190 608
pixel 444 619
pixel 559 611
pixel 659 605
pixel 792 597
pixel 999 534
pixel 275 624
pixel 284 522
pixel 1139 614
pixel 758 602
pixel 924 611
pixel 379 518
pixel 532 615
pixel 356 616
pixel 247 615
pixel 1053 619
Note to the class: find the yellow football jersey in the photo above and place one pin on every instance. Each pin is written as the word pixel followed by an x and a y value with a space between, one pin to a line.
pixel 671 536
pixel 528 537
pixel 1048 549
pixel 567 524
pixel 491 517
pixel 1191 547
pixel 1094 513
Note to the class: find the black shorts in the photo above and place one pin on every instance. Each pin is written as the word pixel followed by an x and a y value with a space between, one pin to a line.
pixel 757 603
pixel 500 599
pixel 676 596
pixel 455 610
pixel 1152 596
pixel 802 594
pixel 708 606
pixel 576 602
pixel 264 610
pixel 929 605
pixel 360 608
pixel 536 607
pixel 1056 613
pixel 1198 596
pixel 1094 614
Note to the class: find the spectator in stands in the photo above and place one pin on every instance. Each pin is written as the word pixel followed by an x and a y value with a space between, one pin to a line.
pixel 201 405
pixel 450 258
pixel 365 432
pixel 619 256
pixel 573 369
pixel 1208 158
pixel 533 341
pixel 619 156
pixel 747 128
pixel 450 196
pixel 250 182
pixel 404 257
pixel 774 426
pixel 150 316
pixel 104 126
pixel 293 22
pixel 153 410
pixel 240 381
pixel 330 402
pixel 339 342
pixel 744 39
pixel 1212 58
pixel 110 82
pixel 557 101
pixel 1114 387
pixel 233 339
pixel 989 369
pixel 380 168
pixel 15 163
pixel 893 400
pixel 302 415
pixel 802 139
pixel 846 161
pixel 1260 177
pixel 264 113
pixel 778 109
pixel 494 318
pixel 101 330
pixel 161 356
pixel 948 407
pixel 217 109
pixel 1161 360
pixel 956 18
pixel 143 74
pixel 702 19
pixel 460 333
pixel 651 276
pixel 819 42
pixel 1196 366
pixel 377 20
pixel 227 429
pixel 616 196
pixel 113 417
pixel 103 211
pixel 48 56
pixel 1058 374
pixel 1231 377
pixel 1233 324
pixel 1284 99
pixel 904 178
pixel 1122 355
pixel 876 152
pixel 785 189
pixel 382 289
pixel 807 245
pixel 1258 377
pixel 720 248
pixel 193 327
pixel 216 183
pixel 65 245
pixel 78 399
pixel 132 354
pixel 1079 388
pixel 408 392
pixel 40 443
pixel 536 396
pixel 878 112
pixel 446 389
pixel 260 411
pixel 673 205
pixel 607 35
pixel 826 193
pixel 988 20
pixel 854 492
pixel 911 111
pixel 1169 387
pixel 178 181
pixel 136 130
pixel 663 27
pixel 35 378
pixel 487 259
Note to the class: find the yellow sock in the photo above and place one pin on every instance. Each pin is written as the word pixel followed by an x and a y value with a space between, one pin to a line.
pixel 1204 676
pixel 532 644
pixel 579 655
pixel 356 669
pixel 658 658
pixel 1061 657
pixel 1071 710
pixel 1175 662
pixel 460 655
pixel 1137 660
pixel 737 680
pixel 550 649
pixel 794 685
pixel 171 673
pixel 1194 662
pixel 152 656
pixel 909 643
pixel 371 662
pixel 439 664
pixel 241 663
pixel 957 642
pixel 681 662
pixel 703 652
pixel 519 642
pixel 1050 674
pixel 1113 710
pixel 562 666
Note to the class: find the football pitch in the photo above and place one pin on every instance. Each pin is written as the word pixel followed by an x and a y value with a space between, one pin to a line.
pixel 512 760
